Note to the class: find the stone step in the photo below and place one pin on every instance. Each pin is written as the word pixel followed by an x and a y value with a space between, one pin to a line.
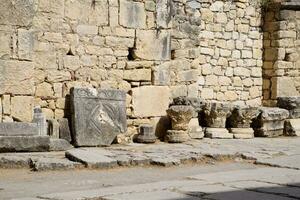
pixel 24 143
pixel 18 129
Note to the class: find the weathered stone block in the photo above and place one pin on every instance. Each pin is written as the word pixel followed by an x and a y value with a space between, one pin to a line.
pixel 22 108
pixel 153 45
pixel 283 87
pixel 86 12
pixel 16 77
pixel 195 130
pixel 18 129
pixel 5 40
pixel 98 116
pixel 25 44
pixel 24 143
pixel 150 101
pixel 132 14
pixel 270 122
pixel 64 129
pixel 17 12
pixel 218 133
pixel 164 13
pixel 138 75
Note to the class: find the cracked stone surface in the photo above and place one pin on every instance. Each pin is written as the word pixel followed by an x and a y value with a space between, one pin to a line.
pixel 279 152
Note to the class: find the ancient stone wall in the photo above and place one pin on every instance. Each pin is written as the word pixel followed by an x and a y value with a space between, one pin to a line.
pixel 281 72
pixel 220 46
pixel 153 50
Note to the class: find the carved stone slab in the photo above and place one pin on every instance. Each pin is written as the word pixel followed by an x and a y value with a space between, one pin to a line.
pixel 98 116
pixel 18 129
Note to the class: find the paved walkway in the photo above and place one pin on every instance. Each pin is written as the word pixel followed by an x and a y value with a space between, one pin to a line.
pixel 273 152
pixel 259 168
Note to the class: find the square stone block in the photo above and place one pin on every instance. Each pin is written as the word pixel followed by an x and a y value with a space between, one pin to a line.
pixel 17 12
pixel 153 45
pixel 98 116
pixel 132 14
pixel 16 77
pixel 150 101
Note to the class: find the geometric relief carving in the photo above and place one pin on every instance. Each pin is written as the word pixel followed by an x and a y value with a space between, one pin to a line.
pixel 98 115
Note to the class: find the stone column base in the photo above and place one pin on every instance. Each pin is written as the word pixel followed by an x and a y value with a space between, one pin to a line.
pixel 218 133
pixel 146 139
pixel 242 133
pixel 177 136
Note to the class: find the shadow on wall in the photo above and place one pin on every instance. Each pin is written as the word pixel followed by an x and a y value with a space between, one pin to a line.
pixel 233 192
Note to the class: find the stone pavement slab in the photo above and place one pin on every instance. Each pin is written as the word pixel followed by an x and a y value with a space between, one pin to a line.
pixel 292 161
pixel 270 188
pixel 237 184
pixel 155 195
pixel 91 157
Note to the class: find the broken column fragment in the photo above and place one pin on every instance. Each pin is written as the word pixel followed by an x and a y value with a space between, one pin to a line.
pixel 180 117
pixel 240 122
pixel 98 116
pixel 270 122
pixel 215 117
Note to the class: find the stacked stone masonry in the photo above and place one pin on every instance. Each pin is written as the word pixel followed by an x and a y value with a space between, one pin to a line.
pixel 154 50
pixel 281 74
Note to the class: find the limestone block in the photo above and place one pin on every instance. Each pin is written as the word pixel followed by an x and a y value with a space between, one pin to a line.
pixel 58 76
pixel 6 105
pixel 207 93
pixel 71 62
pixel 55 7
pixel 195 130
pixel 5 40
pixel 25 44
pixel 98 116
pixel 45 60
pixel 164 13
pixel 18 129
pixel 188 75
pixel 86 13
pixel 283 87
pixel 153 45
pixel 17 12
pixel 138 75
pixel 132 14
pixel 161 74
pixel 24 143
pixel 150 101
pixel 87 30
pixel 178 91
pixel 218 133
pixel 64 129
pixel 16 77
pixel 118 42
pixel 44 90
pixel 22 108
